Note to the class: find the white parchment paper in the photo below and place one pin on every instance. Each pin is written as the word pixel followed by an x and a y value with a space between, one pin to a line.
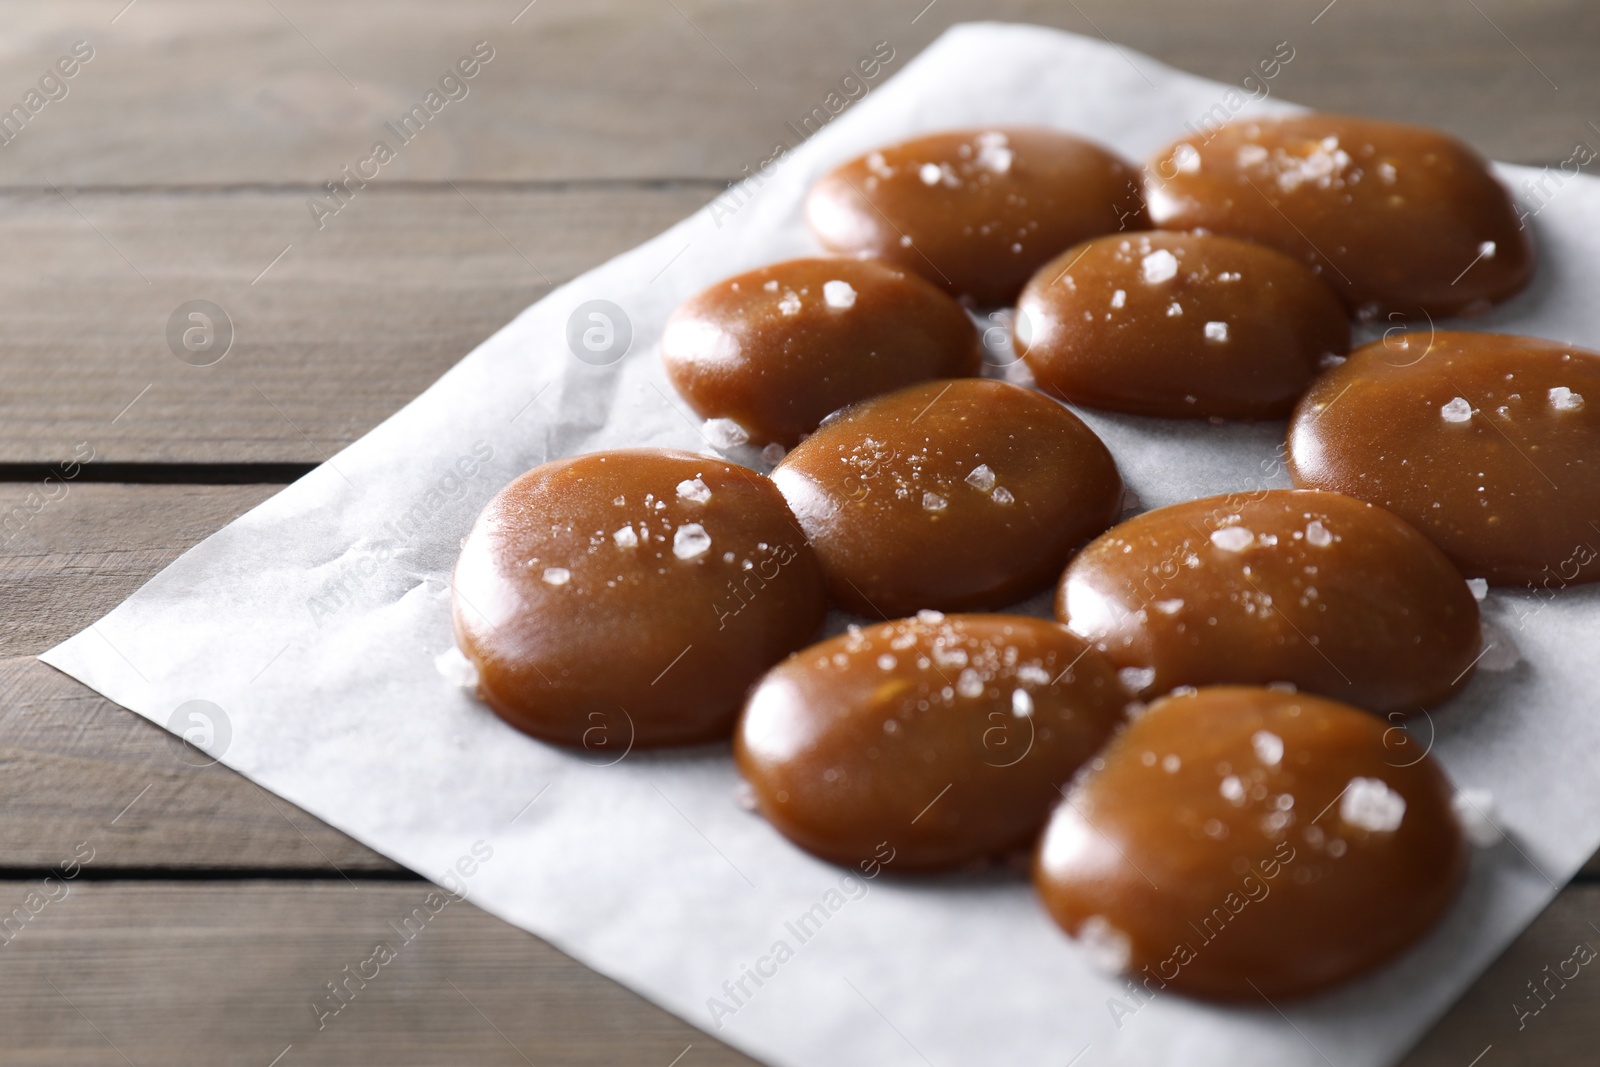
pixel 313 623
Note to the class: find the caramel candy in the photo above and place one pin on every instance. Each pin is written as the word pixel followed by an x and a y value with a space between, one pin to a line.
pixel 779 349
pixel 1179 326
pixel 1243 843
pixel 1488 443
pixel 1319 590
pixel 630 598
pixel 934 740
pixel 952 495
pixel 1395 218
pixel 975 211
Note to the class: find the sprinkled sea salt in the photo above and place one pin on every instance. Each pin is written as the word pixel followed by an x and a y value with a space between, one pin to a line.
pixel 1268 746
pixel 1021 703
pixel 725 433
pixel 456 668
pixel 1002 495
pixel 1136 679
pixel 694 490
pixel 1458 410
pixel 774 453
pixel 1119 298
pixel 1216 331
pixel 1479 587
pixel 929 616
pixel 886 662
pixel 1108 948
pixel 1169 607
pixel 970 684
pixel 690 540
pixel 1186 159
pixel 838 294
pixel 1033 675
pixel 1317 534
pixel 790 304
pixel 557 575
pixel 993 155
pixel 1564 399
pixel 1370 804
pixel 933 502
pixel 1160 266
pixel 1232 789
pixel 626 538
pixel 929 174
pixel 981 477
pixel 1232 538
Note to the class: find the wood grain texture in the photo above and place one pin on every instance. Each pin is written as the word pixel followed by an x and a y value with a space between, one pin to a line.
pixel 185 973
pixel 195 92
pixel 74 767
pixel 347 327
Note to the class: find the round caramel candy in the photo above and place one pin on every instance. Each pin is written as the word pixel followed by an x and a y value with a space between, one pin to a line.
pixel 1395 218
pixel 1319 590
pixel 1489 444
pixel 928 742
pixel 950 495
pixel 779 349
pixel 1237 843
pixel 1179 326
pixel 630 598
pixel 975 211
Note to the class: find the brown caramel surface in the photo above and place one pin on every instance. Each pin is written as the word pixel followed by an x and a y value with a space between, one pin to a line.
pixel 631 597
pixel 1319 590
pixel 939 740
pixel 1178 325
pixel 975 211
pixel 778 349
pixel 1395 218
pixel 1237 843
pixel 1488 443
pixel 950 495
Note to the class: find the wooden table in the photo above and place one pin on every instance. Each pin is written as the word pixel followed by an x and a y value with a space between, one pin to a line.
pixel 179 166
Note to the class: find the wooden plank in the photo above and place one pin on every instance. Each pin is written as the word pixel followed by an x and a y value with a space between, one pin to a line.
pixel 75 767
pixel 159 972
pixel 227 974
pixel 72 550
pixel 345 328
pixel 698 88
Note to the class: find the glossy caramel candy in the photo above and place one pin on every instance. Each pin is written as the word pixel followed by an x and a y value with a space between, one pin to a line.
pixel 1395 218
pixel 1240 843
pixel 778 349
pixel 1179 326
pixel 1319 590
pixel 937 740
pixel 1487 443
pixel 952 495
pixel 975 211
pixel 630 598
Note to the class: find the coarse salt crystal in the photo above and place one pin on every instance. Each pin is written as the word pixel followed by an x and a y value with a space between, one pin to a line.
pixel 1564 399
pixel 929 174
pixel 933 502
pixel 626 538
pixel 725 433
pixel 1475 812
pixel 1233 789
pixel 557 575
pixel 929 616
pixel 690 540
pixel 838 294
pixel 1232 538
pixel 1268 746
pixel 1001 495
pixel 1136 679
pixel 1021 703
pixel 1119 298
pixel 1370 804
pixel 1186 159
pixel 1458 410
pixel 774 453
pixel 970 684
pixel 790 304
pixel 1216 331
pixel 694 490
pixel 981 477
pixel 1479 587
pixel 1317 534
pixel 1160 266
pixel 456 668
pixel 1109 949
